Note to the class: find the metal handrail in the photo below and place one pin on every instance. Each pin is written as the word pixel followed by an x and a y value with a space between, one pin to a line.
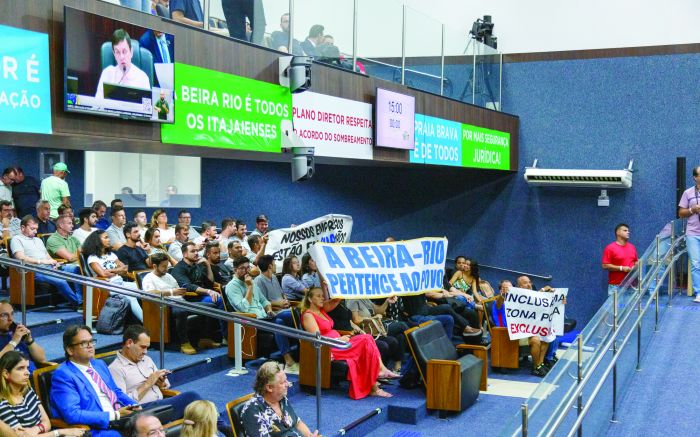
pixel 315 339
pixel 517 272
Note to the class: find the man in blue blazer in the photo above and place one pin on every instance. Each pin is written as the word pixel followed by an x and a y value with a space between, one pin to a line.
pixel 82 389
pixel 160 44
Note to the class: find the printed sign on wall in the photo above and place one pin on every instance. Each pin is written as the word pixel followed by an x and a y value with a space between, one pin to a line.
pixel 336 127
pixel 25 89
pixel 223 110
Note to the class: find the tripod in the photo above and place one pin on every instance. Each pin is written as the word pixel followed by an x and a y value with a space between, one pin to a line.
pixel 477 81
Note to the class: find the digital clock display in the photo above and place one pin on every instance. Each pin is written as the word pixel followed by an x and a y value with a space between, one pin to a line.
pixel 395 120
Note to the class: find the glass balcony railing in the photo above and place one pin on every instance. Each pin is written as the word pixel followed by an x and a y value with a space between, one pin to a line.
pixel 386 39
pixel 583 389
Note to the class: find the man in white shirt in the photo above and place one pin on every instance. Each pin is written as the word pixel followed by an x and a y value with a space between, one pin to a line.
pixel 87 218
pixel 124 73
pixel 6 181
pixel 182 235
pixel 116 230
pixel 9 223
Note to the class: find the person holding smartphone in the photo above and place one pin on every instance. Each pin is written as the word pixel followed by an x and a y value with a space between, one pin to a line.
pixel 18 337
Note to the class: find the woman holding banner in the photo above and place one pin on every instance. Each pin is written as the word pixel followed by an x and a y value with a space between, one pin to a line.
pixel 363 359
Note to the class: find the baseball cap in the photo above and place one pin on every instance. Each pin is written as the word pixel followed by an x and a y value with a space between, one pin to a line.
pixel 261 218
pixel 60 166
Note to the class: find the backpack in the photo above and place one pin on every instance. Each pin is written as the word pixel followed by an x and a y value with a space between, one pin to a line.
pixel 113 316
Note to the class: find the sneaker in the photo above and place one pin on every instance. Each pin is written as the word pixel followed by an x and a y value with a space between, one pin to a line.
pixel 187 349
pixel 207 343
pixel 697 299
pixel 292 369
pixel 539 371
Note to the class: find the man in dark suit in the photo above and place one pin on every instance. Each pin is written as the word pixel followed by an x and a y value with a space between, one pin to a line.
pixel 312 41
pixel 82 389
pixel 160 44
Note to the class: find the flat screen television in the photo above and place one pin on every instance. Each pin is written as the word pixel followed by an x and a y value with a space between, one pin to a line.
pixel 117 69
pixel 394 120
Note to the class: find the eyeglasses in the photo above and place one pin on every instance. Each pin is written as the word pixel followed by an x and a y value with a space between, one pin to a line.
pixel 5 315
pixel 86 344
pixel 243 268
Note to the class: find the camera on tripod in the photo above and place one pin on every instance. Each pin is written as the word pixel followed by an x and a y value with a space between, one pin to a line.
pixel 482 31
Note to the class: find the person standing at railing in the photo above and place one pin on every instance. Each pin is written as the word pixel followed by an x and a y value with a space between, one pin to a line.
pixel 619 257
pixel 689 207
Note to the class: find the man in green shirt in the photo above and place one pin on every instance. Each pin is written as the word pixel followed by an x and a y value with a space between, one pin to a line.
pixel 162 107
pixel 61 244
pixel 54 189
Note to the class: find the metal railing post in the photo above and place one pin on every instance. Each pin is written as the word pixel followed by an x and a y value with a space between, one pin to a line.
pixel 523 411
pixel 638 368
pixel 290 47
pixel 672 269
pixel 23 297
pixel 656 291
pixel 206 18
pixel 87 305
pixel 354 35
pixel 162 333
pixel 238 368
pixel 442 61
pixel 614 369
pixel 403 48
pixel 317 345
pixel 474 74
pixel 579 378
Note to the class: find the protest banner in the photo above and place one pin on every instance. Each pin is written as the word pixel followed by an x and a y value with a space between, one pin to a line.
pixel 296 241
pixel 372 270
pixel 531 312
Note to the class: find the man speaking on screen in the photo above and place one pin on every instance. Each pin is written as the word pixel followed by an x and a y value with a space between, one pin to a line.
pixel 124 73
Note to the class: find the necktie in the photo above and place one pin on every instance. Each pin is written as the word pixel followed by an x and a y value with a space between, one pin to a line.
pixel 165 54
pixel 103 387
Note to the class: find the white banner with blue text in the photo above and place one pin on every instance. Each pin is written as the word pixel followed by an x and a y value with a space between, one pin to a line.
pixel 296 241
pixel 373 270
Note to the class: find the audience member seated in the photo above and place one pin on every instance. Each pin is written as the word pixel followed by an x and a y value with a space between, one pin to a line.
pixel 135 373
pixel 20 408
pixel 152 238
pixel 538 348
pixel 247 298
pixel 261 225
pixel 200 419
pixel 308 268
pixel 228 228
pixel 159 280
pixel 159 220
pixel 17 337
pixel 418 311
pixel 235 249
pixel 550 358
pixel 130 253
pixel 182 233
pixel 312 41
pixel 61 244
pixel 466 281
pixel 395 341
pixel 240 234
pixel 279 40
pixel 10 223
pixel 105 263
pixel 257 248
pixel 269 412
pixel 208 233
pixel 195 276
pixel 25 192
pixel 363 359
pixel 101 209
pixel 143 425
pixel 82 389
pixel 65 210
pixel 212 253
pixel 187 12
pixel 116 230
pixel 184 217
pixel 30 249
pixel 43 218
pixel 141 220
pixel 87 219
pixel 292 286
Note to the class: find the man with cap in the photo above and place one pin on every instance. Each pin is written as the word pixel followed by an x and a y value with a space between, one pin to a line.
pixel 54 188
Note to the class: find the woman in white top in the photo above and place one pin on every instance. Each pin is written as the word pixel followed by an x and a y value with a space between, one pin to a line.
pixel 152 238
pixel 104 263
pixel 159 221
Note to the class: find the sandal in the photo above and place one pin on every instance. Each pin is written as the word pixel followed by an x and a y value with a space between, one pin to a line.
pixel 381 393
pixel 389 375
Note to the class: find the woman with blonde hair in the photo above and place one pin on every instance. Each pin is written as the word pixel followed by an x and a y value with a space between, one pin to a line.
pixel 20 408
pixel 152 237
pixel 159 220
pixel 200 420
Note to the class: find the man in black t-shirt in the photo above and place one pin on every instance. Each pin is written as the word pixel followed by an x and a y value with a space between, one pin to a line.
pixel 130 253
